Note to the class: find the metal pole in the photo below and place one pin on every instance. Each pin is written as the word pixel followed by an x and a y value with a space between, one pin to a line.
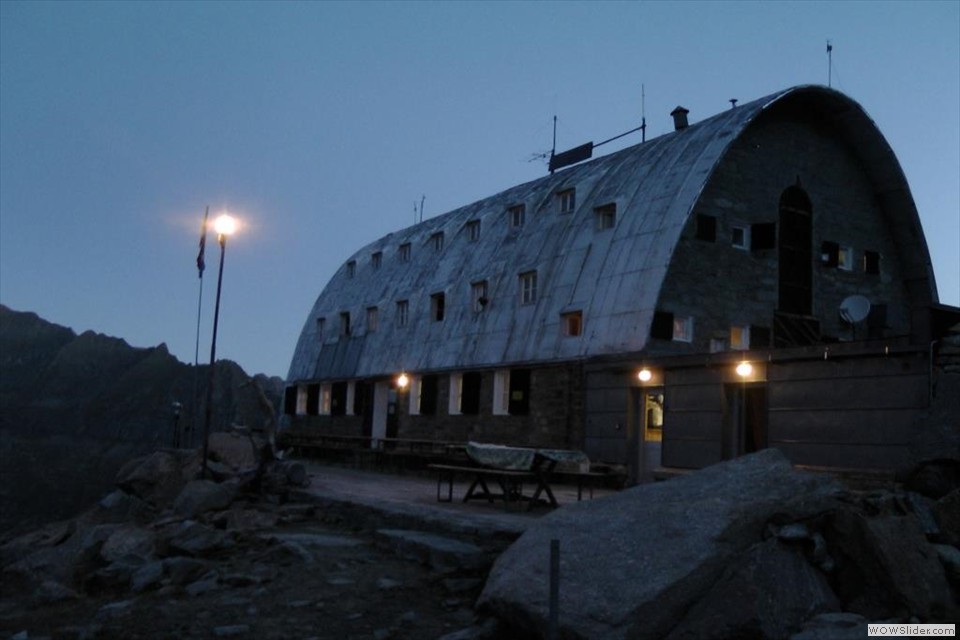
pixel 222 239
pixel 554 626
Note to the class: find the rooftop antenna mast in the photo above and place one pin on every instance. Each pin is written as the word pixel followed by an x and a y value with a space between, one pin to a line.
pixel 829 64
pixel 553 149
pixel 643 114
pixel 422 198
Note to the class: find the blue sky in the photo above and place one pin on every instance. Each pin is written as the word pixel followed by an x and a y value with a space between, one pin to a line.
pixel 321 124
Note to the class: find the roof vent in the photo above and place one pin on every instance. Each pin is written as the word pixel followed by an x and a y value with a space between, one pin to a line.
pixel 679 118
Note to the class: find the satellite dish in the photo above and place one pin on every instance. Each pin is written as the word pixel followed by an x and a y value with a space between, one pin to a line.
pixel 854 308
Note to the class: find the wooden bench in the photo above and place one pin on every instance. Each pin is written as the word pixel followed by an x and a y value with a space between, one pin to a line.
pixel 510 482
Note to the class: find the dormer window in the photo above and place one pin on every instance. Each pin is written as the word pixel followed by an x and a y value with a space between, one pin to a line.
pixel 405 252
pixel 436 241
pixel 605 216
pixel 473 230
pixel 478 296
pixel 567 200
pixel 403 312
pixel 517 215
pixel 572 323
pixel 345 324
pixel 438 303
pixel 351 268
pixel 528 287
pixel 376 259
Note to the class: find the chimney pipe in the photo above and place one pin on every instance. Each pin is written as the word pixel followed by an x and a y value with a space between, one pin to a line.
pixel 679 118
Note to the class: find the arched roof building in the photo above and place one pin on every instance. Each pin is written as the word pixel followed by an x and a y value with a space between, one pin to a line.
pixel 741 232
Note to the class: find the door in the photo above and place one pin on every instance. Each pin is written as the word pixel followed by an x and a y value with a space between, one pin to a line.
pixel 745 419
pixel 645 438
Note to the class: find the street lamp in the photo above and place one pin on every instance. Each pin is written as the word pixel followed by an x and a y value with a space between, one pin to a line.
pixel 224 225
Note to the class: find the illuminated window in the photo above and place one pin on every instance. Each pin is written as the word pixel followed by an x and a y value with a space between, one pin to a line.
pixel 682 329
pixel 517 215
pixel 301 400
pixel 528 287
pixel 501 392
pixel 403 308
pixel 572 323
pixel 478 296
pixel 739 337
pixel 845 259
pixel 605 217
pixel 373 319
pixel 376 259
pixel 325 399
pixel 405 252
pixel 567 200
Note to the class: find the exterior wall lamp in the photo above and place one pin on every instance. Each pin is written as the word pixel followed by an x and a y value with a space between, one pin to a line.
pixel 403 381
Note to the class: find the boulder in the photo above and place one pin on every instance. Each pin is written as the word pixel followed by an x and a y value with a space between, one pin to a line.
pixel 158 477
pixel 194 539
pixel 234 450
pixel 766 592
pixel 201 496
pixel 128 540
pixel 947 512
pixel 632 564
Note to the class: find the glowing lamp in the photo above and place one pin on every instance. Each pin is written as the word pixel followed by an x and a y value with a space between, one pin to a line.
pixel 225 225
pixel 744 369
pixel 402 381
pixel 645 375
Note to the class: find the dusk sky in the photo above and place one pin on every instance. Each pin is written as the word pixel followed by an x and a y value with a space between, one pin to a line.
pixel 320 125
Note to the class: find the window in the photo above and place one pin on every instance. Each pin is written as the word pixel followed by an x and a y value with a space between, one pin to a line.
pixel 456 393
pixel 437 306
pixel 528 287
pixel 321 327
pixel 763 236
pixel 338 399
pixel 351 398
pixel 717 345
pixel 662 326
pixel 605 216
pixel 436 241
pixel 567 200
pixel 501 392
pixel 373 319
pixel 706 228
pixel 845 259
pixel 871 262
pixel 428 393
pixel 376 259
pixel 345 323
pixel 519 404
pixel 465 393
pixel 402 312
pixel 473 230
pixel 325 399
pixel 478 296
pixel 571 324
pixel 517 215
pixel 682 329
pixel 405 252
pixel 351 268
pixel 740 337
pixel 740 237
pixel 313 399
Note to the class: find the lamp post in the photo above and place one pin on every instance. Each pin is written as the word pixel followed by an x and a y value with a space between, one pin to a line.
pixel 224 225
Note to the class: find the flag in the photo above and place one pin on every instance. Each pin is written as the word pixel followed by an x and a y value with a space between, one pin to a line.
pixel 201 265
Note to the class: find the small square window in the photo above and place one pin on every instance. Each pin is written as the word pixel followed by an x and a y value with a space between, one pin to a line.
pixel 373 319
pixel 845 259
pixel 376 259
pixel 345 323
pixel 871 262
pixel 351 268
pixel 478 296
pixel 572 323
pixel 740 337
pixel 436 241
pixel 682 329
pixel 405 252
pixel 740 237
pixel 437 307
pixel 473 230
pixel 517 215
pixel 528 287
pixel 605 216
pixel 706 228
pixel 567 200
pixel 403 309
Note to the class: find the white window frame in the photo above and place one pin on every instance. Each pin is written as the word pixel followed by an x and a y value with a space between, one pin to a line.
pixel 351 397
pixel 845 258
pixel 528 287
pixel 605 217
pixel 326 399
pixel 683 328
pixel 456 394
pixel 416 390
pixel 301 400
pixel 405 252
pixel 744 243
pixel 517 215
pixel 501 392
pixel 567 200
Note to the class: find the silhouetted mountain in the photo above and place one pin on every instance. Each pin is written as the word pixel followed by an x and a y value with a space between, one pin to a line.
pixel 73 408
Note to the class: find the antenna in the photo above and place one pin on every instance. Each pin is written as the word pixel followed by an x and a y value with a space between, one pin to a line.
pixel 829 64
pixel 853 310
pixel 643 113
pixel 553 150
pixel 422 198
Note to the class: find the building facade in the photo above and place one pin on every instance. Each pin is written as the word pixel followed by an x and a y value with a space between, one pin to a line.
pixel 609 306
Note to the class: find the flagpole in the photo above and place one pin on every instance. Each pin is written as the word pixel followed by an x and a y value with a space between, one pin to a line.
pixel 201 265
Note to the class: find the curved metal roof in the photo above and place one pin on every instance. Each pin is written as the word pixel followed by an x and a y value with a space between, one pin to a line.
pixel 612 276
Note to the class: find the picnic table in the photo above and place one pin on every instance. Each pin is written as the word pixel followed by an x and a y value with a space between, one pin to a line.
pixel 509 468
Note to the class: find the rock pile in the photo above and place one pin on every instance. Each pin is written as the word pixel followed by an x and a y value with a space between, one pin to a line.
pixel 750 548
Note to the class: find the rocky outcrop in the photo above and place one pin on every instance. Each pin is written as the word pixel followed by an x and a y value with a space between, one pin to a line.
pixel 75 408
pixel 750 548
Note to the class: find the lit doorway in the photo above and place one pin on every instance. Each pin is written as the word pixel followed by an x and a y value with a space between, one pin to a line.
pixel 649 404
